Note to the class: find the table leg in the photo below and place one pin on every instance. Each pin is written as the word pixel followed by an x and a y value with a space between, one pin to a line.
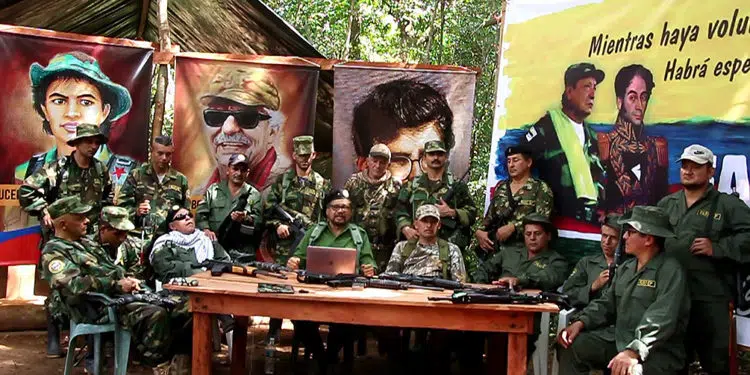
pixel 239 345
pixel 201 343
pixel 517 353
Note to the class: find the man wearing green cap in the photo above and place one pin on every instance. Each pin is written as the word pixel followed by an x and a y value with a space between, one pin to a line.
pixel 648 303
pixel 242 115
pixel 373 192
pixel 114 226
pixel 74 265
pixel 456 215
pixel 712 243
pixel 513 199
pixel 152 188
pixel 299 191
pixel 566 148
pixel 232 200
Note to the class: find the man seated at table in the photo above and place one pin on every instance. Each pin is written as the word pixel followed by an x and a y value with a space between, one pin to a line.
pixel 429 256
pixel 75 266
pixel 531 266
pixel 336 231
pixel 648 303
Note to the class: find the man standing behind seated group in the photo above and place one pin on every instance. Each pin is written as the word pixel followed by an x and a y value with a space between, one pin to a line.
pixel 648 303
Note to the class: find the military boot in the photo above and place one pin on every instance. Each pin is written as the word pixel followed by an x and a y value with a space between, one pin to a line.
pixel 53 338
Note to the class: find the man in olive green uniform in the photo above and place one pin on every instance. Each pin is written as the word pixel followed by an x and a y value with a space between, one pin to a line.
pixel 152 188
pixel 74 265
pixel 648 303
pixel 513 199
pixel 712 241
pixel 373 193
pixel 590 277
pixel 300 193
pixel 78 174
pixel 533 265
pixel 232 200
pixel 456 215
pixel 336 231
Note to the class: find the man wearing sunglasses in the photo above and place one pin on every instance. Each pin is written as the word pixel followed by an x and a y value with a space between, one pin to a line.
pixel 241 116
pixel 457 215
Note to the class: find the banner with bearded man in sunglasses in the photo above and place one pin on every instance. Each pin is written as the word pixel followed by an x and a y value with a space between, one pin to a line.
pixel 253 108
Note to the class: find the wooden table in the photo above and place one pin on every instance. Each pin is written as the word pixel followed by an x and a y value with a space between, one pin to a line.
pixel 238 295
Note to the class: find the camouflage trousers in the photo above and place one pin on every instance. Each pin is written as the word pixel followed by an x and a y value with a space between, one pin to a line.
pixel 55 306
pixel 158 333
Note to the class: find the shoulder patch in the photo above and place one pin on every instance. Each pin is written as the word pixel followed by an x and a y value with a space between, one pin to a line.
pixel 55 266
pixel 531 133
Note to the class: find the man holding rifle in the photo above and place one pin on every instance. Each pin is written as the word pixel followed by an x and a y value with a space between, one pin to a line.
pixel 231 209
pixel 513 199
pixel 457 212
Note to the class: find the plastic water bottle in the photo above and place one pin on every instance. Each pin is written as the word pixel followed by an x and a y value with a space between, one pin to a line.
pixel 270 356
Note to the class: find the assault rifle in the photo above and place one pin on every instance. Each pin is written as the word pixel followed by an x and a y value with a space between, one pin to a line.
pixel 270 267
pixel 147 297
pixel 447 197
pixel 508 297
pixel 421 281
pixel 616 262
pixel 233 234
pixel 218 268
pixel 322 278
pixel 296 226
pixel 378 283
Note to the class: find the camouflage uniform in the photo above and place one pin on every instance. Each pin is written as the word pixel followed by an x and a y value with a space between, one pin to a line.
pixel 301 197
pixel 172 260
pixel 74 268
pixel 143 184
pixel 425 261
pixel 454 230
pixel 218 203
pixel 373 203
pixel 130 257
pixel 534 196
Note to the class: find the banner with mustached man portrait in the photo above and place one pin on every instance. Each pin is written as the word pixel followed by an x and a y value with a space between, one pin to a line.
pixel 251 105
pixel 53 82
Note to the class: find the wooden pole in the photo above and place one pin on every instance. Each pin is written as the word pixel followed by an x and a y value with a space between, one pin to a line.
pixel 162 77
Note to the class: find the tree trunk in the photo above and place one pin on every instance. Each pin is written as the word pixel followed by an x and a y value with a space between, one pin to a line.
pixel 431 32
pixel 352 48
pixel 442 27
pixel 163 73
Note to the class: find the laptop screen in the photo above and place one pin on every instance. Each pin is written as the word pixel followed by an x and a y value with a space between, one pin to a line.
pixel 331 260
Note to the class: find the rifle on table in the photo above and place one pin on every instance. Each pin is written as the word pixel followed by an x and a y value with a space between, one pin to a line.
pixel 422 281
pixel 270 267
pixel 508 297
pixel 308 277
pixel 231 233
pixel 296 226
pixel 218 268
pixel 146 297
pixel 378 283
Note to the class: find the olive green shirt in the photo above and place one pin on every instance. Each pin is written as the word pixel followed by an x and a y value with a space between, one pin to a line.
pixel 578 285
pixel 545 271
pixel 709 278
pixel 650 309
pixel 343 240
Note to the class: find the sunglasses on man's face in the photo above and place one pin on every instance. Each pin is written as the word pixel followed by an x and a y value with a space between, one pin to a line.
pixel 246 119
pixel 182 217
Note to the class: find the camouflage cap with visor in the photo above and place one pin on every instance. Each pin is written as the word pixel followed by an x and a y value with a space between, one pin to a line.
pixel 67 205
pixel 303 145
pixel 435 146
pixel 116 217
pixel 88 131
pixel 250 87
pixel 427 210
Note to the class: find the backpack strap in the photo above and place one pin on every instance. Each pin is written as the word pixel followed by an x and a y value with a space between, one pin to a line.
pixel 443 251
pixel 408 249
pixel 317 231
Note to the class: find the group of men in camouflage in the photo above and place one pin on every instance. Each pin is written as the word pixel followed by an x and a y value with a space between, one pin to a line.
pixel 637 320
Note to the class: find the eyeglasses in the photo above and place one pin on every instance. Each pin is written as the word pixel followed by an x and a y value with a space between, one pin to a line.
pixel 401 166
pixel 246 119
pixel 340 207
pixel 183 217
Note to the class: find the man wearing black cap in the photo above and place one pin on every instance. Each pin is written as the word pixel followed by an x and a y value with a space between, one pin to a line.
pixel 336 231
pixel 235 199
pixel 513 199
pixel 648 303
pixel 565 147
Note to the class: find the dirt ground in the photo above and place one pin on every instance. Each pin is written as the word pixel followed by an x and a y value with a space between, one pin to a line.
pixel 23 353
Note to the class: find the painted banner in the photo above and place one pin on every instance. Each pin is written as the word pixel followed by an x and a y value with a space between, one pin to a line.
pixel 608 94
pixel 52 82
pixel 402 108
pixel 251 105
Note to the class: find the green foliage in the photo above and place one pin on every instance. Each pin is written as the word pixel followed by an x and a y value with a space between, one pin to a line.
pixel 441 32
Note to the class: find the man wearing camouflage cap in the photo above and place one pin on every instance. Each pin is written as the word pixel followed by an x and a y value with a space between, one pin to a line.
pixel 456 215
pixel 242 115
pixel 232 200
pixel 113 236
pixel 648 303
pixel 373 193
pixel 712 243
pixel 513 199
pixel 75 265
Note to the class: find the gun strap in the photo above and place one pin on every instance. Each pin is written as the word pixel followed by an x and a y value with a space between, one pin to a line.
pixel 443 254
pixel 511 202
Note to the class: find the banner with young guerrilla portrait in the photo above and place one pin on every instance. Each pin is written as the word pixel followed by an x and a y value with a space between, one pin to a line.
pixel 251 105
pixel 403 108
pixel 608 94
pixel 52 83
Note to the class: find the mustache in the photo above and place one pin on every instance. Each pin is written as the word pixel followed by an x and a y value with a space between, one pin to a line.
pixel 238 137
